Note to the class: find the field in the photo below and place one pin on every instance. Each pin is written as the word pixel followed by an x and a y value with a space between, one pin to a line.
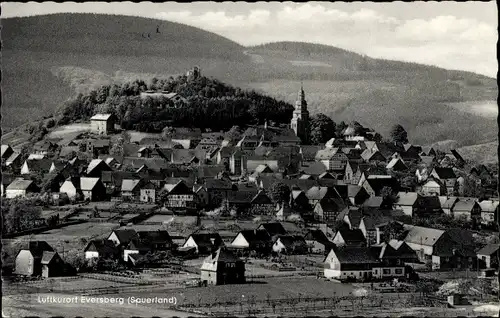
pixel 487 109
pixel 69 130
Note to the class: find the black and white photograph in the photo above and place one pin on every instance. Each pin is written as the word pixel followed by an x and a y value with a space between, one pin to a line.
pixel 250 159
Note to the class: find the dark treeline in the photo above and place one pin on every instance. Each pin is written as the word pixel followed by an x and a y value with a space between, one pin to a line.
pixel 209 104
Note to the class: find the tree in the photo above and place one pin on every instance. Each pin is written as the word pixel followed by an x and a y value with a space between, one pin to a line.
pixel 279 192
pixel 388 196
pixel 322 128
pixel 168 132
pixel 393 231
pixel 399 134
pixel 21 215
pixel 117 147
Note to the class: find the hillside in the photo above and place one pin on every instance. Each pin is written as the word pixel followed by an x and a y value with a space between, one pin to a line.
pixel 482 153
pixel 47 59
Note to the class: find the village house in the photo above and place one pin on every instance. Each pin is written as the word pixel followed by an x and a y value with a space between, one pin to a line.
pixel 45 147
pixel 447 177
pixel 180 197
pixel 467 209
pixel 351 216
pixel 147 241
pixel 96 167
pixel 349 262
pixel 289 244
pixel 317 242
pixel 148 192
pixel 71 187
pixel 97 147
pixel 372 227
pixel 375 183
pixel 447 203
pixel 92 189
pixel 372 156
pixel 332 158
pixel 273 228
pixel 357 195
pixel 489 211
pixel 396 164
pixel 406 201
pixel 203 243
pixel 427 205
pixel 434 186
pixel 450 249
pixel 327 209
pixel 131 189
pixel 488 256
pixel 218 189
pixel 258 241
pixel 102 124
pixel 353 172
pixel 7 179
pixel 14 162
pixel 38 258
pixel 317 194
pixel 36 166
pixel 428 151
pixel 222 267
pixel 245 200
pixel 391 258
pixel 101 249
pixel 20 187
pixel 7 151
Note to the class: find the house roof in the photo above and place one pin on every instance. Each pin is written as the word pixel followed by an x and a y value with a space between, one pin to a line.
pixel 318 236
pixel 326 154
pixel 447 202
pixel 152 163
pixel 102 246
pixel 95 163
pixel 313 168
pixel 273 228
pixel 37 248
pixel 489 249
pixel 205 239
pixel 395 161
pixel 100 117
pixel 221 255
pixel 39 165
pixel 445 173
pixel 354 255
pixel 427 150
pixel 209 171
pixel 4 149
pixel 187 155
pixel 461 236
pixel 351 236
pixel 488 205
pixel 154 237
pixel 219 184
pixel 19 184
pixel 373 202
pixel 372 221
pixel 331 204
pixel 377 184
pixel 423 235
pixel 130 184
pixel 125 235
pixel 289 241
pixel 407 198
pixel 255 236
pixel 318 193
pixel 464 205
pixel 88 184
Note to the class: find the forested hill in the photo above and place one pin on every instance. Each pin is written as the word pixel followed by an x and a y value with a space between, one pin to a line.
pixel 208 103
pixel 99 34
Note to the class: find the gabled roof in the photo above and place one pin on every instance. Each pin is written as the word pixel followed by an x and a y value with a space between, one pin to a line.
pixel 464 205
pixel 205 239
pixel 37 248
pixel 351 236
pixel 156 164
pixel 20 184
pixel 130 184
pixel 154 237
pixel 274 228
pixel 407 198
pixel 327 153
pixel 39 165
pixel 219 184
pixel 423 235
pixel 396 161
pixel 354 255
pixel 125 235
pixel 373 221
pixel 318 193
pixel 102 246
pixel 209 171
pixel 88 184
pixel 331 204
pixel 95 163
pixel 367 154
pixel 313 168
pixel 223 255
pixel 101 117
pixel 489 249
pixel 309 152
pixel 461 236
pixel 373 202
pixel 447 202
pixel 488 205
pixel 289 241
pixel 187 155
pixel 318 236
pixel 445 173
pixel 255 236
pixel 377 184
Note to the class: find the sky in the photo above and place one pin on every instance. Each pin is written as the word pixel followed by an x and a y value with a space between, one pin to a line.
pixel 453 35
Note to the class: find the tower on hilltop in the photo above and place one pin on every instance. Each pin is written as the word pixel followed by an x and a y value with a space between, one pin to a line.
pixel 300 119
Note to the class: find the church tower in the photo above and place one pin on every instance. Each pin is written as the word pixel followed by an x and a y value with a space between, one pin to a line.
pixel 300 119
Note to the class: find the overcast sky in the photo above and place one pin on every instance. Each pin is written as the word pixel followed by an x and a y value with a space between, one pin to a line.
pixel 454 35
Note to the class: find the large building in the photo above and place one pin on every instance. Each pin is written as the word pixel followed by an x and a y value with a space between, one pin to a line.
pixel 102 124
pixel 300 119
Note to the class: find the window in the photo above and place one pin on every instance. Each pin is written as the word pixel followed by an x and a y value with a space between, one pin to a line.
pixel 399 271
pixel 376 272
pixel 386 271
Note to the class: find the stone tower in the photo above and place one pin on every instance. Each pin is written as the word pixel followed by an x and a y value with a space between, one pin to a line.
pixel 300 119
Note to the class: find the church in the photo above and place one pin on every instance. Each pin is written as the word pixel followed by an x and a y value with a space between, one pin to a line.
pixel 300 119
